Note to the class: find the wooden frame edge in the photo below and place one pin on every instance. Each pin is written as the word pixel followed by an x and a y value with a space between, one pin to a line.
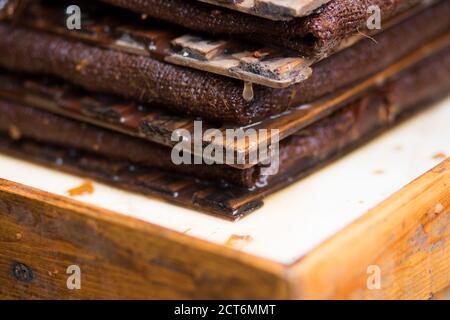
pixel 399 250
pixel 119 256
pixel 403 243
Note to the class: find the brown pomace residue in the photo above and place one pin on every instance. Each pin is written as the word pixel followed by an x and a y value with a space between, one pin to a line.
pixel 238 240
pixel 87 187
pixel 439 156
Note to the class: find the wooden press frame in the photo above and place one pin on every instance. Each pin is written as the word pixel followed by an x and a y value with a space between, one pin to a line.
pixel 407 236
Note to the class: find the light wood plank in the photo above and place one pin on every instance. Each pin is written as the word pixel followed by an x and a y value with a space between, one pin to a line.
pixel 407 237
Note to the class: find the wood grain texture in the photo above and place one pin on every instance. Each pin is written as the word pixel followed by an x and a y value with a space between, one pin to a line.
pixel 407 237
pixel 442 295
pixel 119 257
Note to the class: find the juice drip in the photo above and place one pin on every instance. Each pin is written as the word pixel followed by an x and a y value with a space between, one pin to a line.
pixel 248 93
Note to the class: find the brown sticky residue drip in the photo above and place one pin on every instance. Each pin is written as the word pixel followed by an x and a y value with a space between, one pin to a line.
pixel 86 187
pixel 248 94
pixel 14 133
pixel 238 240
pixel 439 156
pixel 378 172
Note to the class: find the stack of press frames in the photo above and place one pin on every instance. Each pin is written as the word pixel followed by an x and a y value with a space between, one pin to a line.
pixel 313 80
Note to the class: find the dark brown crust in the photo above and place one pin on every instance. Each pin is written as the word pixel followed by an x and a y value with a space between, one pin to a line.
pixel 203 94
pixel 357 123
pixel 428 79
pixel 49 128
pixel 318 33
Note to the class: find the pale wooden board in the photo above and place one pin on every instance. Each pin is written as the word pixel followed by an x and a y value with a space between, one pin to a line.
pixel 297 219
pixel 273 9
